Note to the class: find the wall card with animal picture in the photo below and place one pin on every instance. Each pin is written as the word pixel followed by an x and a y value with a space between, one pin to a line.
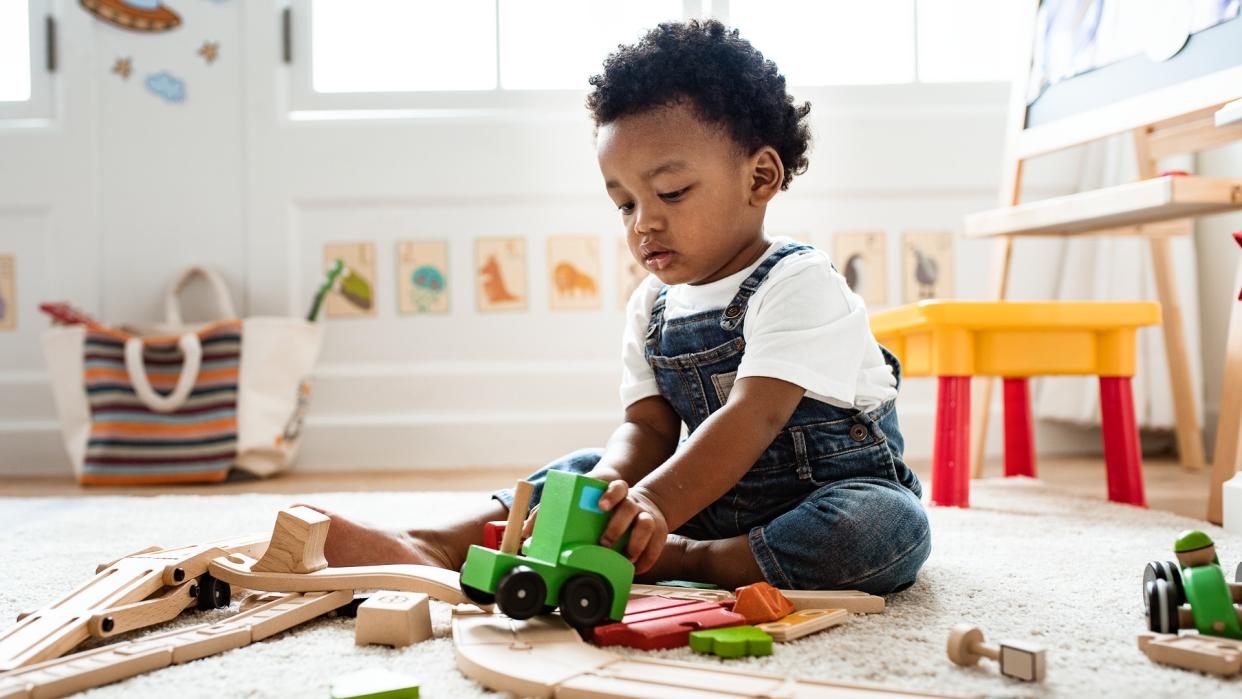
pixel 500 266
pixel 422 276
pixel 8 292
pixel 355 296
pixel 573 273
pixel 862 258
pixel 927 265
pixel 629 273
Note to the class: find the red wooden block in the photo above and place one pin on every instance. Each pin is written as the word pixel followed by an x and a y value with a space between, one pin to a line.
pixel 760 603
pixel 493 532
pixel 662 622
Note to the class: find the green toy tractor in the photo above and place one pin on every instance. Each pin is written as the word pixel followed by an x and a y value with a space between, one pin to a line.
pixel 562 564
pixel 1197 581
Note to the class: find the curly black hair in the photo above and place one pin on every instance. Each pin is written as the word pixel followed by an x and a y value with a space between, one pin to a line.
pixel 726 80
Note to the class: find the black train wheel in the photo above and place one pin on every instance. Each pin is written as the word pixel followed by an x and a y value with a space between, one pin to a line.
pixel 213 593
pixel 521 592
pixel 1162 607
pixel 585 600
pixel 476 595
pixel 1164 570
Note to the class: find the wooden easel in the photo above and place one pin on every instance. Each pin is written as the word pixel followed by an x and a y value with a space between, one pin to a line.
pixel 1165 121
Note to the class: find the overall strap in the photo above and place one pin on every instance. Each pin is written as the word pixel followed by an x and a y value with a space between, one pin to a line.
pixel 656 323
pixel 736 310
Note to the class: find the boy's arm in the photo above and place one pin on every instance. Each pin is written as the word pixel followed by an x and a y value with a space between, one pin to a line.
pixel 644 441
pixel 724 447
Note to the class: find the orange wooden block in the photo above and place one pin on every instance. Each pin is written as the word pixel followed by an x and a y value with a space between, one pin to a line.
pixel 761 603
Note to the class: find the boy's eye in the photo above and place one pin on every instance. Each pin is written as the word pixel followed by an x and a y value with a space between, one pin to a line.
pixel 627 207
pixel 674 196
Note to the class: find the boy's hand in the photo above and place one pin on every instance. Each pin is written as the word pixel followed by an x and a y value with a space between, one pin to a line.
pixel 633 511
pixel 528 525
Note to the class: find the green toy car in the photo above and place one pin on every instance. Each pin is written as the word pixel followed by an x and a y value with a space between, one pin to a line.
pixel 562 564
pixel 1197 580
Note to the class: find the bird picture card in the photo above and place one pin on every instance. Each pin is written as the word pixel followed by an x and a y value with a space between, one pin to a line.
pixel 500 269
pixel 927 265
pixel 422 276
pixel 8 292
pixel 861 257
pixel 630 273
pixel 356 285
pixel 573 273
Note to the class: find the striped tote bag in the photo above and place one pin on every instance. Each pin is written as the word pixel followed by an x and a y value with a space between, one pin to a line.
pixel 185 407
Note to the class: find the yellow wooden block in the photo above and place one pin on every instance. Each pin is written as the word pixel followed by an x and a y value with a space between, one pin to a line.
pixel 1014 338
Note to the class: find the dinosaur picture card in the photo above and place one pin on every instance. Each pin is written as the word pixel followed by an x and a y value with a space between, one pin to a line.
pixel 8 292
pixel 422 276
pixel 354 296
pixel 862 258
pixel 574 273
pixel 927 265
pixel 500 269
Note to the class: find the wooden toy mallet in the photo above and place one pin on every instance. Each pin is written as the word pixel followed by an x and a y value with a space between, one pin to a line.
pixel 1022 661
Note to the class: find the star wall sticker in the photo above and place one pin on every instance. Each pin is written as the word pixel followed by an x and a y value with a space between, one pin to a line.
pixel 209 51
pixel 123 67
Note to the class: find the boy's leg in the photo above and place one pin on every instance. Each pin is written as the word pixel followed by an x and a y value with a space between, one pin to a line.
pixel 866 534
pixel 351 543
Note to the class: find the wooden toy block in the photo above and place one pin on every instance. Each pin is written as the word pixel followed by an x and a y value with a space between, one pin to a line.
pixel 439 583
pixel 761 603
pixel 393 619
pixel 662 622
pixel 732 642
pixel 855 601
pixel 803 623
pixel 493 532
pixel 297 543
pixel 374 683
pixel 1023 661
pixel 1210 654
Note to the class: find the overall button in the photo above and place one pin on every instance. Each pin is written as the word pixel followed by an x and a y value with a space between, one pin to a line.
pixel 859 433
pixel 733 312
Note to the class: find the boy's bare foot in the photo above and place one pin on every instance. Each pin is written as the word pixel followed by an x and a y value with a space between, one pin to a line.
pixel 351 543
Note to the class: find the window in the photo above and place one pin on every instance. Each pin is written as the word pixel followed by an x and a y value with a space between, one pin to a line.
pixel 24 83
pixel 467 54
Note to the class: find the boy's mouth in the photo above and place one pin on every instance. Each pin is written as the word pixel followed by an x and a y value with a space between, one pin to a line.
pixel 657 258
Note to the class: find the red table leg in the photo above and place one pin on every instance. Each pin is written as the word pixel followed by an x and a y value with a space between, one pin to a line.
pixel 951 449
pixel 1122 456
pixel 1019 437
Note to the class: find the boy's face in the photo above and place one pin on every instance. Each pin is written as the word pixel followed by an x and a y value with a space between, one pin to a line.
pixel 685 192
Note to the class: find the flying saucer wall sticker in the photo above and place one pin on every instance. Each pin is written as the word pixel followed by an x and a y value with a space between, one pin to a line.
pixel 136 15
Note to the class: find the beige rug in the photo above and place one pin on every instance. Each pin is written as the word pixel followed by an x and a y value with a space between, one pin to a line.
pixel 1025 562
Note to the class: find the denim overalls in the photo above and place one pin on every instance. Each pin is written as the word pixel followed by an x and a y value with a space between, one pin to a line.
pixel 829 505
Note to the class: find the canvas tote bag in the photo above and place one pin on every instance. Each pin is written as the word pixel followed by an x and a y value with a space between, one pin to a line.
pixel 185 404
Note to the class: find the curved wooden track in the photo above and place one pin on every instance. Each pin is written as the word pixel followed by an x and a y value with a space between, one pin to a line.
pixel 437 583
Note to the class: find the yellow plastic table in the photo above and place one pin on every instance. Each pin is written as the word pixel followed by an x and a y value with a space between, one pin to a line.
pixel 1015 340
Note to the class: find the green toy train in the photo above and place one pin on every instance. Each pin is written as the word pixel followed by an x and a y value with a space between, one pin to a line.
pixel 1192 592
pixel 562 564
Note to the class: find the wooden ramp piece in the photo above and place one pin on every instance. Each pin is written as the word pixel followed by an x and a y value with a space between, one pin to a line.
pixel 112 663
pixel 437 583
pixel 55 629
pixel 297 542
pixel 544 657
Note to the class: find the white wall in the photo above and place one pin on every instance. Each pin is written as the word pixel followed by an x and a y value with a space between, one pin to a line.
pixel 122 189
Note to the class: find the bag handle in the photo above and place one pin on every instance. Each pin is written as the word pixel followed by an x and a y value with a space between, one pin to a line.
pixel 191 349
pixel 220 292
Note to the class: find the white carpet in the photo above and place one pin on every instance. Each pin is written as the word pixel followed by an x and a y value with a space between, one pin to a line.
pixel 1024 562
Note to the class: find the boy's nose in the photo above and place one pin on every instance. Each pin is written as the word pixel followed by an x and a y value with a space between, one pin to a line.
pixel 649 221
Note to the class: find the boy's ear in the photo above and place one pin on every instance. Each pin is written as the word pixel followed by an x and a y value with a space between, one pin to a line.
pixel 766 175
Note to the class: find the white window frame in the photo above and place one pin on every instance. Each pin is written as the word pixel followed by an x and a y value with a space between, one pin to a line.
pixel 305 103
pixel 38 109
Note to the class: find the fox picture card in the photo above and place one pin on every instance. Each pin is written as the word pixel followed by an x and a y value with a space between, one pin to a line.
pixel 861 257
pixel 630 273
pixel 573 273
pixel 500 271
pixel 8 292
pixel 354 294
pixel 422 276
pixel 927 265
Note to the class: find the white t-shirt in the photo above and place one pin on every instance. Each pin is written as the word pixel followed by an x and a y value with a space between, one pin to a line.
pixel 803 325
